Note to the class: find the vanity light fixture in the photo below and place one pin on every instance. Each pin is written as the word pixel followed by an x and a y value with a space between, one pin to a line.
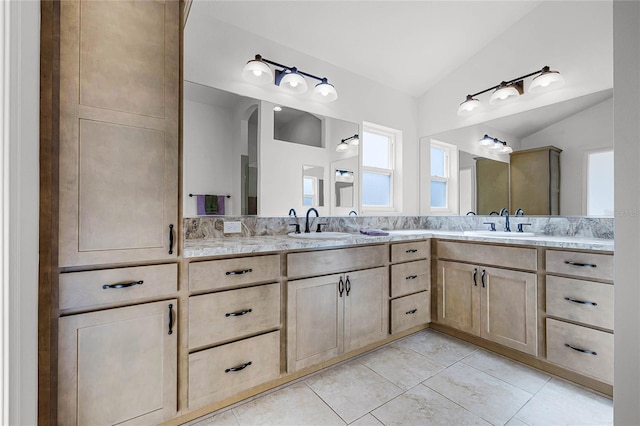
pixel 344 143
pixel 290 79
pixel 509 90
pixel 495 144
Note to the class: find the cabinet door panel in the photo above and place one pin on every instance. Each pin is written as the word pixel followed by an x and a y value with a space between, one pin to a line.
pixel 459 296
pixel 118 366
pixel 509 309
pixel 314 321
pixel 366 317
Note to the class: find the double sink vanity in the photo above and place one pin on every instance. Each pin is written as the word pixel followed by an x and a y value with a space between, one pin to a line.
pixel 264 310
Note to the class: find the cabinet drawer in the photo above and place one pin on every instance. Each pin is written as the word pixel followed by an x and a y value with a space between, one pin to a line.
pixel 410 251
pixel 509 257
pixel 582 301
pixel 112 286
pixel 410 311
pixel 407 278
pixel 231 314
pixel 588 265
pixel 597 362
pixel 330 261
pixel 211 372
pixel 218 274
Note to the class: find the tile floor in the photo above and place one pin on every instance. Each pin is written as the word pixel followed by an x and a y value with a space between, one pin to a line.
pixel 424 379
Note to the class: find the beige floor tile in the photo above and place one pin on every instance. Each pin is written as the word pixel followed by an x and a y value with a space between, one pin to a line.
pixel 438 347
pixel 352 390
pixel 484 395
pixel 366 420
pixel 561 403
pixel 401 366
pixel 423 406
pixel 223 419
pixel 294 405
pixel 517 374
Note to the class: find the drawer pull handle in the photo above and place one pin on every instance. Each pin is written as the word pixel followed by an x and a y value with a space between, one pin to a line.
pixel 475 277
pixel 239 272
pixel 585 265
pixel 340 286
pixel 170 319
pixel 411 251
pixel 411 312
pixel 238 314
pixel 411 277
pixel 348 286
pixel 584 351
pixel 582 302
pixel 122 285
pixel 171 239
pixel 482 278
pixel 238 368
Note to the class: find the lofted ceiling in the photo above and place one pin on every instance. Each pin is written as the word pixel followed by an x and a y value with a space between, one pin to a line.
pixel 406 45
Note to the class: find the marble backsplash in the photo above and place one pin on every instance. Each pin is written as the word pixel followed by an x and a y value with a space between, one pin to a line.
pixel 210 227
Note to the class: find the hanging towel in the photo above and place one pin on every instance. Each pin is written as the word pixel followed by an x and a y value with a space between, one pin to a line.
pixel 210 204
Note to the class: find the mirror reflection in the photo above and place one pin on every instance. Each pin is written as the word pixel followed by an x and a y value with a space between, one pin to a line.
pixel 265 158
pixel 562 162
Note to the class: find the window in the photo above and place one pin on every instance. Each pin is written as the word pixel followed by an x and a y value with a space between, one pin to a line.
pixel 600 183
pixel 309 191
pixel 443 181
pixel 379 175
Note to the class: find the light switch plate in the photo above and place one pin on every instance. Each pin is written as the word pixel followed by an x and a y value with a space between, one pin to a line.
pixel 232 227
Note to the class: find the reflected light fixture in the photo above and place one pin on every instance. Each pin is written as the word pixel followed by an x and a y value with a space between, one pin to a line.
pixel 277 108
pixel 509 90
pixel 290 79
pixel 344 143
pixel 495 144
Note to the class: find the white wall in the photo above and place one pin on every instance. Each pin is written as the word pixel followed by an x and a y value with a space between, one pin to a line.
pixel 574 38
pixel 208 145
pixel 229 48
pixel 626 126
pixel 588 130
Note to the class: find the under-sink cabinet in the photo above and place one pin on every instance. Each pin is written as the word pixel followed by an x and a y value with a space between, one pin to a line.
pixel 497 304
pixel 333 314
pixel 579 308
pixel 410 303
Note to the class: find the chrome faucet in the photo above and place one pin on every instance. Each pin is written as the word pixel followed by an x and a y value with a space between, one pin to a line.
pixel 306 223
pixel 519 212
pixel 292 213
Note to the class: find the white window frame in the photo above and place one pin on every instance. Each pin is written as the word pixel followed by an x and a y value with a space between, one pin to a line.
pixel 395 184
pixel 451 178
pixel 314 188
pixel 585 180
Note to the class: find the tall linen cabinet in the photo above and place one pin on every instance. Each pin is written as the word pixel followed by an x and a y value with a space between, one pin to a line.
pixel 113 296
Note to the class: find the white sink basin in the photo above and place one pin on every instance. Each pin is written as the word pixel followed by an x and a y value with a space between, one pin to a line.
pixel 321 235
pixel 499 234
pixel 409 232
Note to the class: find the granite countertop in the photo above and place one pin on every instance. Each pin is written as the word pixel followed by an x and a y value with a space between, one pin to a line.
pixel 270 243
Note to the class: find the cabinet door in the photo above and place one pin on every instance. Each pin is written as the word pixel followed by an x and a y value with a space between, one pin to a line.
pixel 118 366
pixel 314 321
pixel 459 296
pixel 366 307
pixel 509 309
pixel 119 82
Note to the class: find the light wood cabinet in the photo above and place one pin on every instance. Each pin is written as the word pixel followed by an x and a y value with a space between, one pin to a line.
pixel 496 304
pixel 118 366
pixel 535 180
pixel 119 100
pixel 337 313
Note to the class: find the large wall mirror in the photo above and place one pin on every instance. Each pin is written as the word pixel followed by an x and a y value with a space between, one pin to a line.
pixel 567 146
pixel 258 158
